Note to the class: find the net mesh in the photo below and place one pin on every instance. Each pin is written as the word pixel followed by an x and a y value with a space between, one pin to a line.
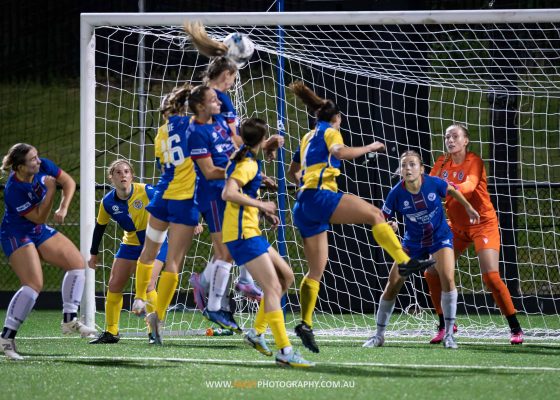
pixel 400 84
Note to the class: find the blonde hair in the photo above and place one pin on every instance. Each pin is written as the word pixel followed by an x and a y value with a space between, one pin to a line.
pixel 111 168
pixel 15 157
pixel 203 43
pixel 455 125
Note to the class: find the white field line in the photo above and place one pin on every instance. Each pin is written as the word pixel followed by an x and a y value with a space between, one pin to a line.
pixel 485 342
pixel 333 364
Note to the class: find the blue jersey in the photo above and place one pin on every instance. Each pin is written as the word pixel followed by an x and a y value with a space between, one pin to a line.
pixel 424 217
pixel 21 198
pixel 178 179
pixel 226 109
pixel 210 140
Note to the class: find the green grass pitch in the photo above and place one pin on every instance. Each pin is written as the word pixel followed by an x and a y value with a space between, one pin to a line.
pixel 194 368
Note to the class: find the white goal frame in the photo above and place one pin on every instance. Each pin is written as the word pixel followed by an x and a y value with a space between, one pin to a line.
pixel 87 74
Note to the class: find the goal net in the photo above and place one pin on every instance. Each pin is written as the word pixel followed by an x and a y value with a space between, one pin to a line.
pixel 400 78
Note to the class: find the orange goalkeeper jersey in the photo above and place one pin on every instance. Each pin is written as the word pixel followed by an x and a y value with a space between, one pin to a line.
pixel 470 177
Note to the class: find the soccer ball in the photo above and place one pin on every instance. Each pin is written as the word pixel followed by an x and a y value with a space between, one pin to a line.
pixel 240 48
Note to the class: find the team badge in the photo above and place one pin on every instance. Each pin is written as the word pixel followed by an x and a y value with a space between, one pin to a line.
pixel 137 204
pixel 461 176
pixel 445 174
pixel 431 196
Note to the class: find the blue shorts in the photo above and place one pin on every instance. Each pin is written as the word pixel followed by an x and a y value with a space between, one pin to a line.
pixel 313 210
pixel 245 250
pixel 213 214
pixel 420 252
pixel 40 234
pixel 132 252
pixel 176 211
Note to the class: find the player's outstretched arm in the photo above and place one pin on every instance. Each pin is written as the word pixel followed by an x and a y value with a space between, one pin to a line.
pixel 456 194
pixel 342 152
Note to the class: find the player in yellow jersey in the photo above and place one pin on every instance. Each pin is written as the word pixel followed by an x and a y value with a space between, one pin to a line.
pixel 316 163
pixel 243 238
pixel 172 207
pixel 126 205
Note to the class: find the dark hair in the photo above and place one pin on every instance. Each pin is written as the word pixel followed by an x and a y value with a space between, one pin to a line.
pixel 323 109
pixel 217 66
pixel 16 156
pixel 196 97
pixel 252 131
pixel 177 100
pixel 412 153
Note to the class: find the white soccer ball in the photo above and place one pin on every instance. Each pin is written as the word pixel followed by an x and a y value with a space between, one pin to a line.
pixel 240 48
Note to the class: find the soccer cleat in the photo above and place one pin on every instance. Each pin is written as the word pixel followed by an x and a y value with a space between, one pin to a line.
pixel 151 338
pixel 139 308
pixel 223 318
pixel 374 341
pixel 257 342
pixel 449 342
pixel 156 328
pixel 198 290
pixel 249 290
pixel 292 359
pixel 106 338
pixel 307 337
pixel 9 348
pixel 516 338
pixel 413 265
pixel 438 338
pixel 76 326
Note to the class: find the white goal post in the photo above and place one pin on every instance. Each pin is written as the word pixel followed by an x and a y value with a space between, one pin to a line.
pixel 399 77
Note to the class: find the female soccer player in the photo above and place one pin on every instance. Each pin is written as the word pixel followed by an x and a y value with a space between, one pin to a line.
pixel 319 204
pixel 243 238
pixel 418 198
pixel 173 208
pixel 126 205
pixel 466 170
pixel 26 239
pixel 220 76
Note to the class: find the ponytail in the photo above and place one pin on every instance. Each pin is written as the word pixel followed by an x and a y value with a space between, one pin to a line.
pixel 203 43
pixel 323 109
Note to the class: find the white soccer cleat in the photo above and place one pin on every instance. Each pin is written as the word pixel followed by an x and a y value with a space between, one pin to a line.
pixel 449 342
pixel 374 341
pixel 76 326
pixel 9 347
pixel 156 328
pixel 139 307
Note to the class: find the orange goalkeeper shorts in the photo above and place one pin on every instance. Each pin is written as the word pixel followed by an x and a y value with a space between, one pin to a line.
pixel 484 236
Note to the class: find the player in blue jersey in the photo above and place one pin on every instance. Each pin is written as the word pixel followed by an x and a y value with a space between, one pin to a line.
pixel 26 240
pixel 220 76
pixel 243 238
pixel 315 167
pixel 418 198
pixel 172 211
pixel 126 205
pixel 211 145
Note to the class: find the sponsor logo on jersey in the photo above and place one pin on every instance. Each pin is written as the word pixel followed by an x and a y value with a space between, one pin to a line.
pixel 446 241
pixel 406 204
pixel 23 207
pixel 116 210
pixel 196 152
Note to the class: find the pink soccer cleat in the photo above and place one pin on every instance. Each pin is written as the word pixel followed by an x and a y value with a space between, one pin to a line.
pixel 199 292
pixel 249 290
pixel 516 338
pixel 438 338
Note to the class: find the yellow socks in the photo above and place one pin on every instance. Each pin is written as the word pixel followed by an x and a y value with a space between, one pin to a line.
pixel 260 319
pixel 386 238
pixel 143 277
pixel 151 296
pixel 166 289
pixel 113 307
pixel 309 291
pixel 275 320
